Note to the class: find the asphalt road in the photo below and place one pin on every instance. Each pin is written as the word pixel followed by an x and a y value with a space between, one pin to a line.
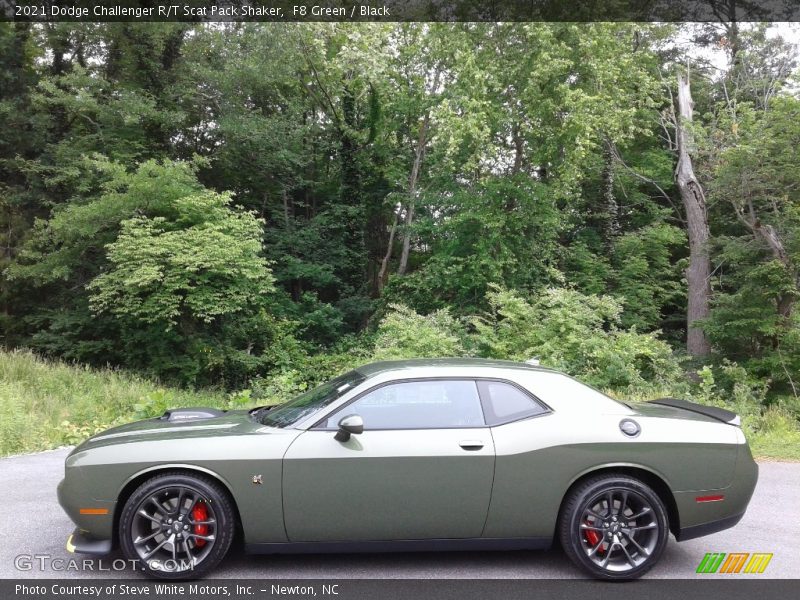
pixel 32 523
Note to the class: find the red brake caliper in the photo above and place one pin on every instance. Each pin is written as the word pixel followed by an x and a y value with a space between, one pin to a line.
pixel 200 513
pixel 592 536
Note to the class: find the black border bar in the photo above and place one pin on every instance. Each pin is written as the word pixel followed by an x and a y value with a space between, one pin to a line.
pixel 400 10
pixel 712 588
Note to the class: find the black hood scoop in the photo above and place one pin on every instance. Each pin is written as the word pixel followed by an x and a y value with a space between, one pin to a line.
pixel 182 415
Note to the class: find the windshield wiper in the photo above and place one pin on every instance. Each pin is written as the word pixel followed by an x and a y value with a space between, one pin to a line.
pixel 256 412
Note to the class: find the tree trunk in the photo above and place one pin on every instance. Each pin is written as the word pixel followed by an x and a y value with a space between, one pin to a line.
pixel 785 301
pixel 698 275
pixel 419 153
pixel 519 149
pixel 403 266
pixel 383 274
pixel 610 208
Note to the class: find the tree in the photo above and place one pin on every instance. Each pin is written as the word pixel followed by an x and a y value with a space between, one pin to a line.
pixel 754 319
pixel 576 333
pixel 165 275
pixel 201 264
pixel 698 275
pixel 418 165
pixel 199 273
pixel 418 77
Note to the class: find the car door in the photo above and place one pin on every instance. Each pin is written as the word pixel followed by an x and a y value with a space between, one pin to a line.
pixel 421 469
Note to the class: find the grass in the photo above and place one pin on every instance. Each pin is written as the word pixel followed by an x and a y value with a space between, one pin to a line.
pixel 46 404
pixel 781 446
pixel 775 435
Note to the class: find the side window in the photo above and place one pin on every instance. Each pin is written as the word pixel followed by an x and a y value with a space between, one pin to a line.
pixel 505 403
pixel 431 404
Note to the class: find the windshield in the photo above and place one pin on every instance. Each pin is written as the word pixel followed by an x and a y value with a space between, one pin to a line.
pixel 311 401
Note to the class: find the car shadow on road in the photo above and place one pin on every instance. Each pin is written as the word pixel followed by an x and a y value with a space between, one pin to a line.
pixel 552 564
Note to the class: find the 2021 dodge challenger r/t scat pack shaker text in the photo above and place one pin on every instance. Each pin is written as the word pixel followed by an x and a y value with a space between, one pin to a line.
pixel 414 455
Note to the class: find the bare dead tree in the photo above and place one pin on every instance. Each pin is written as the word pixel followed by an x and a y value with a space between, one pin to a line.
pixel 698 275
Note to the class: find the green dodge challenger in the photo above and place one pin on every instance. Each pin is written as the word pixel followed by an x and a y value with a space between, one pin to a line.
pixel 442 454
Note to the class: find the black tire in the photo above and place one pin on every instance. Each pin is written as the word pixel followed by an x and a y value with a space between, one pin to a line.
pixel 594 531
pixel 170 542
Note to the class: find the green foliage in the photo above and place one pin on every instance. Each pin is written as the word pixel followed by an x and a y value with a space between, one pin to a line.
pixel 745 325
pixel 199 266
pixel 174 270
pixel 403 333
pixel 154 404
pixel 504 232
pixel 588 271
pixel 69 245
pixel 770 427
pixel 754 320
pixel 72 434
pixel 575 333
pixel 227 206
pixel 646 277
pixel 280 387
pixel 730 386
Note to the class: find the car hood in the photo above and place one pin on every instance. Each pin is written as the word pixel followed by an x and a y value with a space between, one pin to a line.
pixel 234 422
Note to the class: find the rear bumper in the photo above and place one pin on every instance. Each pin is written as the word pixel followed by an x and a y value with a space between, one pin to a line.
pixel 696 531
pixel 79 542
pixel 700 515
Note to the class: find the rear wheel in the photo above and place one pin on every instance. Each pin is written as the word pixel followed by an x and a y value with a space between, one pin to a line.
pixel 177 526
pixel 614 527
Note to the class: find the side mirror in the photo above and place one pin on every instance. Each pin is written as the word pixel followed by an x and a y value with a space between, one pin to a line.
pixel 347 426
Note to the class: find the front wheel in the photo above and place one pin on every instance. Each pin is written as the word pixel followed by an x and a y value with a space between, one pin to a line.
pixel 177 526
pixel 614 527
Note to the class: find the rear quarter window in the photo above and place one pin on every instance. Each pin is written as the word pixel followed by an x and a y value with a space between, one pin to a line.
pixel 504 402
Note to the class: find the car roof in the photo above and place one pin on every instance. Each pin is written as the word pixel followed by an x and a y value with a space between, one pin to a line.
pixel 385 366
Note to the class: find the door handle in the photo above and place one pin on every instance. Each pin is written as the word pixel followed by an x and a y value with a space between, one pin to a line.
pixel 471 444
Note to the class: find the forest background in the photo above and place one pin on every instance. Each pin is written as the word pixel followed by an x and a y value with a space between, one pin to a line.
pixel 227 214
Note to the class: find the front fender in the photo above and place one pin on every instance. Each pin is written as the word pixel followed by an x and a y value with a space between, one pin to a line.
pixel 105 474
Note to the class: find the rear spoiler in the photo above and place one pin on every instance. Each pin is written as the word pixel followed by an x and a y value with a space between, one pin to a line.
pixel 720 414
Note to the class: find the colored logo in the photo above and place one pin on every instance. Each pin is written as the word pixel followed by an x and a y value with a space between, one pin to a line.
pixel 735 562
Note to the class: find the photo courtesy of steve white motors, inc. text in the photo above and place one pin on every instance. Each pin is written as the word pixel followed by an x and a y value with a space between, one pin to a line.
pixel 161 589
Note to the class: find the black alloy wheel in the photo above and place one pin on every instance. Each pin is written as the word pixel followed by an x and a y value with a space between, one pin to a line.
pixel 614 527
pixel 177 526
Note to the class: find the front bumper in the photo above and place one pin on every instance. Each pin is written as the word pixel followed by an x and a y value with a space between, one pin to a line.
pixel 94 518
pixel 79 542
